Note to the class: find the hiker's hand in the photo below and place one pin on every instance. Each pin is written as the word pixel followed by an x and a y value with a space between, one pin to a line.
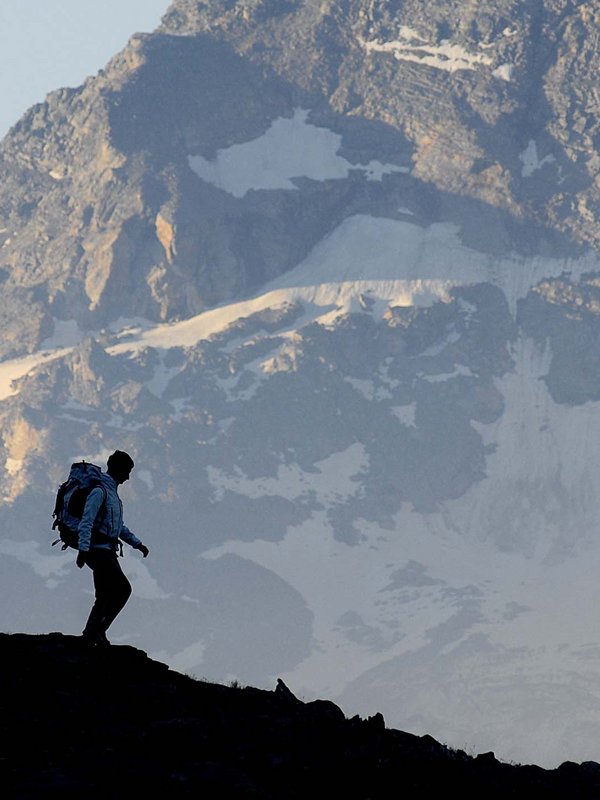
pixel 81 559
pixel 143 549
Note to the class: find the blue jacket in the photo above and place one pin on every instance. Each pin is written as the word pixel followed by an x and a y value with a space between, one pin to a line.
pixel 104 517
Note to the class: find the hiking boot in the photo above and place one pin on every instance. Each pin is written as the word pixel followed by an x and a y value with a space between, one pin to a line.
pixel 95 639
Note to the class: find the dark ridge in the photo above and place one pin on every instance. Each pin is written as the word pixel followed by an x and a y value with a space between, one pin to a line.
pixel 82 722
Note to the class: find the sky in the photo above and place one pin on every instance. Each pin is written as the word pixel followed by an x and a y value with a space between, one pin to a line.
pixel 49 44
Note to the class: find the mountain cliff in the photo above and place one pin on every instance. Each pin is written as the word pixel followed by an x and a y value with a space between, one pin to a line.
pixel 330 272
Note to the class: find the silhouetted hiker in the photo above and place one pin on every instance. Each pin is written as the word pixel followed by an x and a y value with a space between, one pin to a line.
pixel 104 513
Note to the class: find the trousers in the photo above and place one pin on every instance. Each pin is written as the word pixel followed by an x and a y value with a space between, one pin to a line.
pixel 112 590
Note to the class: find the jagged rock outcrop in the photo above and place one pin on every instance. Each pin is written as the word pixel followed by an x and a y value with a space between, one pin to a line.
pixel 78 720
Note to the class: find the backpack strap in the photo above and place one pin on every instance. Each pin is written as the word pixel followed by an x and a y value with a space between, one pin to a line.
pixel 116 544
pixel 96 534
pixel 104 495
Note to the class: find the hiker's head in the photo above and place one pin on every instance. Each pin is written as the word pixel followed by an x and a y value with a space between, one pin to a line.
pixel 119 466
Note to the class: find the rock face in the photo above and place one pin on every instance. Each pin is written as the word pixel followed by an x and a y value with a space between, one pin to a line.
pixel 329 271
pixel 66 730
pixel 102 217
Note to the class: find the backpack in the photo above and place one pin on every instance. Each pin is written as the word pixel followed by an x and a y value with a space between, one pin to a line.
pixel 70 503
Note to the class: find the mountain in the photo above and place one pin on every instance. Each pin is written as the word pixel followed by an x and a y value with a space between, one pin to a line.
pixel 330 272
pixel 69 727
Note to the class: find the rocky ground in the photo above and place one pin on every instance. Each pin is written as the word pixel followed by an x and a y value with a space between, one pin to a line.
pixel 77 721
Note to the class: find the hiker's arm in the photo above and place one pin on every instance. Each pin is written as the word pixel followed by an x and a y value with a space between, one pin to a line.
pixel 90 512
pixel 130 537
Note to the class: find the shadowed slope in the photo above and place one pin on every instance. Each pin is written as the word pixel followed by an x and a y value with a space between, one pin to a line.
pixel 79 722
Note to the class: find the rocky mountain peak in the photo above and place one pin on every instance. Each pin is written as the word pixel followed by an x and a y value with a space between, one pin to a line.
pixel 99 203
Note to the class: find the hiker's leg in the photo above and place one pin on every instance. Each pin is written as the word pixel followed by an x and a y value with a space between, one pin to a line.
pixel 99 563
pixel 120 591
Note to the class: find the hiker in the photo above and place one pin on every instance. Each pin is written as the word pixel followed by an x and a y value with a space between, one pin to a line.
pixel 103 512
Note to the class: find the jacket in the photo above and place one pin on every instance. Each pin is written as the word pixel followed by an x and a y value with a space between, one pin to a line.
pixel 104 517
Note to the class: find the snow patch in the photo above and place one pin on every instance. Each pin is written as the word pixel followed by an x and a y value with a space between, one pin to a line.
pixel 406 414
pixel 15 368
pixel 411 46
pixel 544 470
pixel 181 405
pixel 306 559
pixel 185 659
pixel 291 148
pixel 159 382
pixel 334 480
pixel 144 585
pixel 51 567
pixel 399 263
pixel 66 334
pixel 146 477
pixel 364 387
pixel 531 161
pixel 504 72
pixel 461 370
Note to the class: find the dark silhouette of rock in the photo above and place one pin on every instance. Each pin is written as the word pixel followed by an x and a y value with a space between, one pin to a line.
pixel 81 722
pixel 283 691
